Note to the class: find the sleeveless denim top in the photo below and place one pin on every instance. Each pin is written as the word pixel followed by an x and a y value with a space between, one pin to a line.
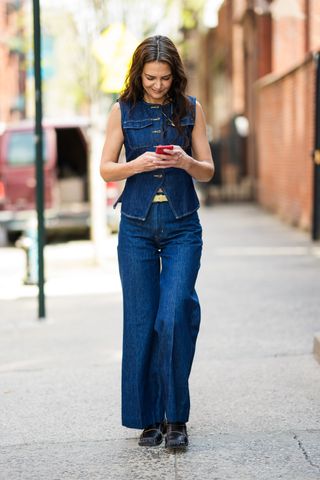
pixel 145 126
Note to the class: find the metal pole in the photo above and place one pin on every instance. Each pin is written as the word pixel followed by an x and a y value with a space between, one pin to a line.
pixel 39 155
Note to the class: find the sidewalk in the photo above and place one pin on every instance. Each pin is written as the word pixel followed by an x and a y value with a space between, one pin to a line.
pixel 70 269
pixel 255 385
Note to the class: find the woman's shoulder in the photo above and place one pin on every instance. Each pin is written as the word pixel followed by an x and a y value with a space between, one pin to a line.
pixel 192 99
pixel 195 104
pixel 123 107
pixel 115 110
pixel 115 107
pixel 114 115
pixel 127 106
pixel 130 111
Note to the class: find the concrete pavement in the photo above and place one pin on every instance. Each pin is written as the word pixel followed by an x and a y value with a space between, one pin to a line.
pixel 255 385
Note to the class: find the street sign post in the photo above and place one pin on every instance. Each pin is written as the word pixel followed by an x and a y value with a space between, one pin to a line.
pixel 39 155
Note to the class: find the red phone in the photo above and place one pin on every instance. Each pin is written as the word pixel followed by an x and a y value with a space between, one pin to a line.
pixel 160 148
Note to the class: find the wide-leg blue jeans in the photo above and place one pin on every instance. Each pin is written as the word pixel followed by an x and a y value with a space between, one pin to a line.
pixel 159 259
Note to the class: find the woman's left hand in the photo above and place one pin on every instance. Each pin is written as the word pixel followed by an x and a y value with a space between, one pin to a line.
pixel 177 158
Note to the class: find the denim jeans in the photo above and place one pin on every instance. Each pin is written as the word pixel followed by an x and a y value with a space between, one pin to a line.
pixel 159 259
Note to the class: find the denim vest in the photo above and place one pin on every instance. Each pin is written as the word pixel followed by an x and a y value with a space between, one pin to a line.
pixel 145 126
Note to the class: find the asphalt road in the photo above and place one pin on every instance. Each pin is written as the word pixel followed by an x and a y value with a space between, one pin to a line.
pixel 255 384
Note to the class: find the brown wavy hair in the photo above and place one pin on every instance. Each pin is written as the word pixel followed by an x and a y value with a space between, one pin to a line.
pixel 158 49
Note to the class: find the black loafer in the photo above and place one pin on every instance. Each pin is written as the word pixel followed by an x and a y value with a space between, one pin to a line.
pixel 177 436
pixel 152 435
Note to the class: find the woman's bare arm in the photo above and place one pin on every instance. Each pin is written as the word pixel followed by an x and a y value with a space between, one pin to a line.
pixel 201 166
pixel 110 169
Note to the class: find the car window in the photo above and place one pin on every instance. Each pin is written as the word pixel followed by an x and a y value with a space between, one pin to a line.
pixel 21 149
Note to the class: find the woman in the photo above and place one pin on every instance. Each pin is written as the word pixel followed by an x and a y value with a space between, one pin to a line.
pixel 159 238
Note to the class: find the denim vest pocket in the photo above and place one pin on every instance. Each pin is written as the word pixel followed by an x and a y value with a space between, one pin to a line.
pixel 138 133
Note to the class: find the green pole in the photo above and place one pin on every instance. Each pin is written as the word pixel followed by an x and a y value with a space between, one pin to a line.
pixel 39 155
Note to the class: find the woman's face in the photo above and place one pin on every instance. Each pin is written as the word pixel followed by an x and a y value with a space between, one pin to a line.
pixel 156 81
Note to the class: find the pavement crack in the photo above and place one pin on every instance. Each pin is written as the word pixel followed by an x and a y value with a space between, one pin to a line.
pixel 305 453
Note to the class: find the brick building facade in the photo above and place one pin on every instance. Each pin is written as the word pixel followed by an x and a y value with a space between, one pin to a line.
pixel 12 61
pixel 285 114
pixel 263 63
pixel 285 139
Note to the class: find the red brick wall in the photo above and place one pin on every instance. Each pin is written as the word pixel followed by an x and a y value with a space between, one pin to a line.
pixel 237 70
pixel 288 32
pixel 264 44
pixel 285 135
pixel 9 64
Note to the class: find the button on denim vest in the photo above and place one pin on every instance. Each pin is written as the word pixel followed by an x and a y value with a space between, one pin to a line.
pixel 145 126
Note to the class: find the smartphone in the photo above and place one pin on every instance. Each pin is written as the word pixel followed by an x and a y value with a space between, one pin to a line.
pixel 160 148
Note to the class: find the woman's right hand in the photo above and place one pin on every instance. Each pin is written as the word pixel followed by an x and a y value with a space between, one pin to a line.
pixel 147 162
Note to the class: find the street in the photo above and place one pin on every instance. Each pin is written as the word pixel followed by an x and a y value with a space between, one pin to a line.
pixel 255 383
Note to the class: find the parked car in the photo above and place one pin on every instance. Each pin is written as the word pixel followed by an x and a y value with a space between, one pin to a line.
pixel 66 188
